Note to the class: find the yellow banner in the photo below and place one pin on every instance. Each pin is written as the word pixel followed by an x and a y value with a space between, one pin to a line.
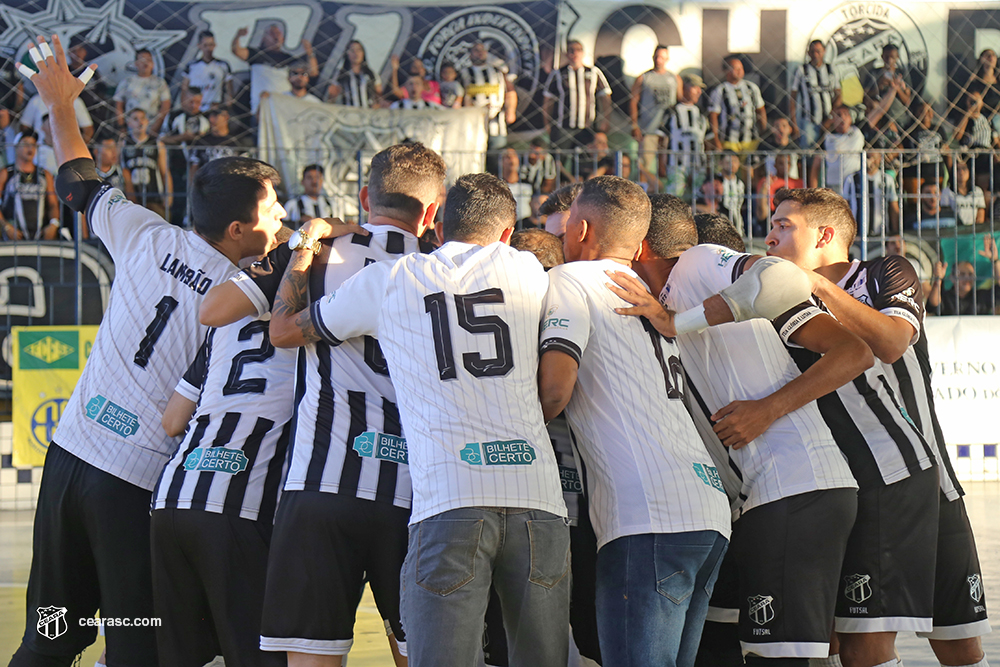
pixel 47 362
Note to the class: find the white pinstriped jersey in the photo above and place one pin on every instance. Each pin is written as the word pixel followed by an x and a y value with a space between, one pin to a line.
pixel 748 361
pixel 890 285
pixel 816 89
pixel 233 454
pixel 459 328
pixel 866 416
pixel 647 470
pixel 147 339
pixel 304 208
pixel 346 393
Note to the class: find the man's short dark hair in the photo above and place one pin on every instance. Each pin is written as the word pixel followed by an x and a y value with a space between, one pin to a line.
pixel 479 207
pixel 817 41
pixel 539 142
pixel 139 52
pixel 561 199
pixel 194 90
pixel 205 33
pixel 402 179
pixel 228 189
pixel 671 226
pixel 822 207
pixel 729 58
pixel 26 134
pixel 619 210
pixel 548 248
pixel 313 167
pixel 717 229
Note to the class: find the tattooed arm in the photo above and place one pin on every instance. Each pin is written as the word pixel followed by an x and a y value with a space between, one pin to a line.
pixel 291 322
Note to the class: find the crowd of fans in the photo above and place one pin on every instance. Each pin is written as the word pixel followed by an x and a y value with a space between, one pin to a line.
pixel 904 165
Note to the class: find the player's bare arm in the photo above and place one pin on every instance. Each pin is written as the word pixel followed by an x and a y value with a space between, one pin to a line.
pixel 291 322
pixel 845 356
pixel 556 378
pixel 888 337
pixel 177 414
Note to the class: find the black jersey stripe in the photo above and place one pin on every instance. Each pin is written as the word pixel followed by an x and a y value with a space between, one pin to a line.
pixel 708 416
pixel 350 473
pixel 174 491
pixel 740 266
pixel 395 243
pixel 324 421
pixel 922 354
pixel 237 491
pixel 928 451
pixel 275 477
pixel 388 471
pixel 881 413
pixel 223 437
pixel 361 239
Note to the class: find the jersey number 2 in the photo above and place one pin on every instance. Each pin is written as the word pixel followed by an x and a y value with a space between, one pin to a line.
pixel 255 355
pixel 436 305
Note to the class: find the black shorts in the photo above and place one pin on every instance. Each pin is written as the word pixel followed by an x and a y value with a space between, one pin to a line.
pixel 787 557
pixel 208 587
pixel 959 598
pixel 887 582
pixel 324 547
pixel 90 551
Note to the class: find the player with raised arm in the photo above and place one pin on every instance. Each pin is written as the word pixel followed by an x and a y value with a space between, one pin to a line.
pixel 348 473
pixel 91 535
pixel 487 501
pixel 656 501
pixel 881 301
pixel 794 495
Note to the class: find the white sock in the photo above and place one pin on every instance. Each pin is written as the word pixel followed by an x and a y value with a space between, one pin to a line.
pixel 832 661
pixel 981 663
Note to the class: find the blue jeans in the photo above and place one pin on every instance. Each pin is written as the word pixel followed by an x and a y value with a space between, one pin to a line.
pixel 652 596
pixel 453 558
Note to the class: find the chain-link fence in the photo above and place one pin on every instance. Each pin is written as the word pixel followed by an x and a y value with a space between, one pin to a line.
pixel 917 81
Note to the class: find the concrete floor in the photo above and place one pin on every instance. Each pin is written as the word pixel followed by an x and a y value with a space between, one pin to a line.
pixel 370 648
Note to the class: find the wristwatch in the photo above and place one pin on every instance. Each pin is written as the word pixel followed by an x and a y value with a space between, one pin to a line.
pixel 300 241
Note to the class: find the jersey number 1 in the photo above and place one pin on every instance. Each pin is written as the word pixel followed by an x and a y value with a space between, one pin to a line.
pixel 436 305
pixel 164 309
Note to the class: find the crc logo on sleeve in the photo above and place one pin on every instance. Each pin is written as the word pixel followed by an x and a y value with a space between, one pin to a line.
pixel 498 453
pixel 112 416
pixel 551 321
pixel 51 622
pixel 382 446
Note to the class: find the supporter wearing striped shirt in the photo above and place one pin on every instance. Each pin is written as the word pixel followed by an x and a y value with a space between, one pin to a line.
pixel 312 203
pixel 346 503
pixel 685 128
pixel 488 83
pixel 572 94
pixel 814 94
pixel 95 494
pixel 487 500
pixel 733 107
pixel 356 84
pixel 656 501
pixel 889 568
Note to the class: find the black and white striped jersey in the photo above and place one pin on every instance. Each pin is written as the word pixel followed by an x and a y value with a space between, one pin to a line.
pixel 211 77
pixel 536 174
pixel 232 458
pixel 304 207
pixel 816 89
pixel 737 106
pixel 891 286
pixel 749 361
pixel 571 472
pixel 882 191
pixel 147 339
pixel 407 103
pixel 685 128
pixel 486 86
pixel 575 92
pixel 358 89
pixel 23 201
pixel 459 328
pixel 142 162
pixel 647 470
pixel 348 438
pixel 867 416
